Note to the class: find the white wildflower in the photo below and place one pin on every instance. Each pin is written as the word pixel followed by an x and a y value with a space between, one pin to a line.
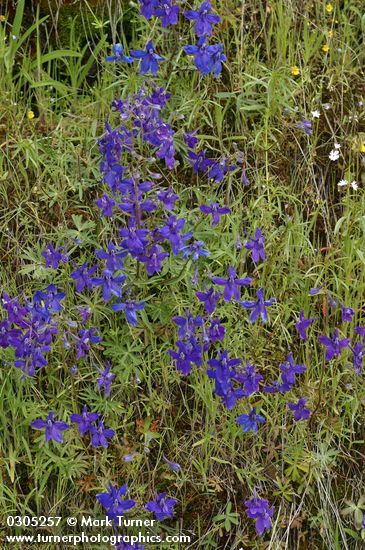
pixel 342 183
pixel 315 114
pixel 354 185
pixel 334 155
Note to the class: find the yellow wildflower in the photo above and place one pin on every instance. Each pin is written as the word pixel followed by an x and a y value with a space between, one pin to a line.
pixel 295 70
pixel 330 34
pixel 30 115
pixel 325 48
pixel 362 148
pixel 329 7
pixel 2 18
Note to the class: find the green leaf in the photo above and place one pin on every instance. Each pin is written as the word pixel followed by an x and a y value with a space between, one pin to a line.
pixel 17 23
pixel 86 68
pixel 352 533
pixel 53 84
pixel 58 54
pixel 29 31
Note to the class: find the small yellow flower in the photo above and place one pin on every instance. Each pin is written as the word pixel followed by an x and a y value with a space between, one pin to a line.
pixel 329 7
pixel 362 148
pixel 30 115
pixel 330 34
pixel 2 18
pixel 325 48
pixel 295 70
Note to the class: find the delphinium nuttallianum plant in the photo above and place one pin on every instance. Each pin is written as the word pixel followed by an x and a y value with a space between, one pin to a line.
pixel 147 233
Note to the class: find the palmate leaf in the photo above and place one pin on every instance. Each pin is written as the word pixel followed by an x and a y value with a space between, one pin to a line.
pixel 228 519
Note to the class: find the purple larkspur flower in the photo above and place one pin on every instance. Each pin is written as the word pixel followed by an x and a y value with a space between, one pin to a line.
pixel 84 420
pixel 231 284
pixel 114 501
pixel 106 205
pixel 53 428
pixel 190 139
pixel 347 313
pixel 159 98
pixel 315 290
pixel 188 353
pixel 199 161
pixel 258 307
pixel 300 411
pixel 113 257
pixel 85 314
pixel 134 239
pixel 16 312
pixel 334 345
pixel 194 280
pixel 130 308
pixel 215 210
pixel 209 299
pixel 100 435
pixel 83 277
pixel 204 339
pixel 331 301
pixel 174 466
pixel 167 12
pixel 223 371
pixel 168 198
pixel 204 19
pixel 305 125
pixel 196 249
pixel 276 387
pixel 303 324
pixel 153 259
pixel 216 330
pixel 207 58
pixel 7 333
pixel 187 324
pixel 358 352
pixel 150 59
pixel 74 370
pixel 106 378
pixel 148 7
pixel 250 378
pixel 124 544
pixel 130 456
pixel 289 370
pixel 360 331
pixel 256 245
pixel 162 506
pixel 259 510
pixel 85 338
pixel 171 231
pixel 111 284
pixel 118 55
pixel 220 168
pixel 52 299
pixel 250 422
pixel 54 256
